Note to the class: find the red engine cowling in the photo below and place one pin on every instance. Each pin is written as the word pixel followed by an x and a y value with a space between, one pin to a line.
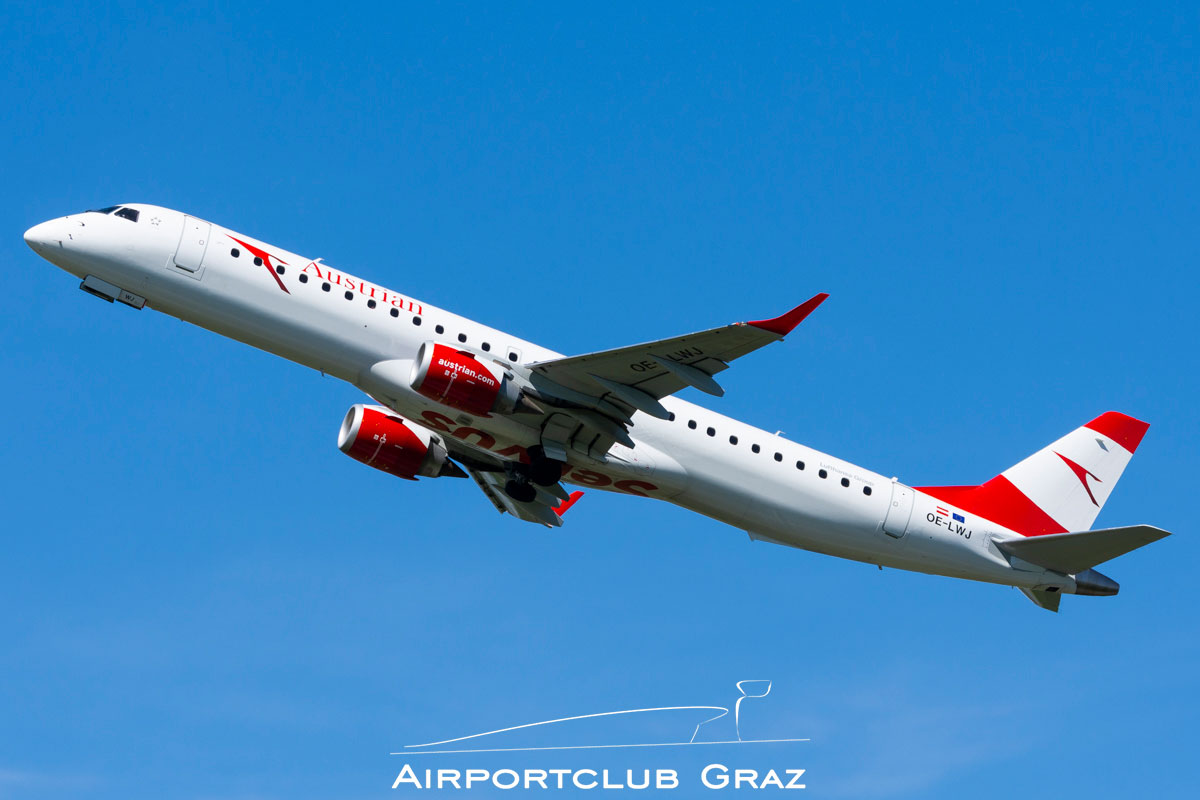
pixel 458 379
pixel 380 439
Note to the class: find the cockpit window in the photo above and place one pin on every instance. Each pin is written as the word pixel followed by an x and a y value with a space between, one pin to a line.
pixel 130 214
pixel 108 210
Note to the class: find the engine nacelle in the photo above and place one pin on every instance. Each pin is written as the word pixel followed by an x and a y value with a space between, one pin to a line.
pixel 379 438
pixel 460 380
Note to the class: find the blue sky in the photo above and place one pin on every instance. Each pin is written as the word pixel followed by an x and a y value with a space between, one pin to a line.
pixel 204 599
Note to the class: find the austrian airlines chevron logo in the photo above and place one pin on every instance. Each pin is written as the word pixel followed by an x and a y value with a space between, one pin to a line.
pixel 266 260
pixel 1083 474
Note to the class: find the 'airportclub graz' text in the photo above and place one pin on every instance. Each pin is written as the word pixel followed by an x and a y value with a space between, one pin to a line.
pixel 713 776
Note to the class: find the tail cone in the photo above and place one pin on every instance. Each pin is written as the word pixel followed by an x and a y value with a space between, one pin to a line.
pixel 1095 583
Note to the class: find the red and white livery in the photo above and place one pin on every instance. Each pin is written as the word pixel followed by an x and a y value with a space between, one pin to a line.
pixel 453 397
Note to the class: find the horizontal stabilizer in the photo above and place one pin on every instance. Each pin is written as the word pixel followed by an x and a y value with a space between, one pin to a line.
pixel 1070 553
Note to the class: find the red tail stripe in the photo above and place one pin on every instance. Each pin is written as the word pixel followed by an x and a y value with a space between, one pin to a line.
pixel 1121 428
pixel 1001 502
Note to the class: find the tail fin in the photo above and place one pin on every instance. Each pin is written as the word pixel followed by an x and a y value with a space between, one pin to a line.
pixel 1059 488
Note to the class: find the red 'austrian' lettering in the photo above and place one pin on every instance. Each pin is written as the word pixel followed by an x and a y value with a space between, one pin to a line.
pixel 360 286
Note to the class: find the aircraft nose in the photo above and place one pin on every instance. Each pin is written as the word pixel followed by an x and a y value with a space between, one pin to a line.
pixel 42 235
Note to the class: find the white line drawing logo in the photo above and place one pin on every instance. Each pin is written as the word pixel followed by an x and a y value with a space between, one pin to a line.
pixel 747 690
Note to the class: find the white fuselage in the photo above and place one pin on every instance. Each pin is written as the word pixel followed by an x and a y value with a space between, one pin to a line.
pixel 321 317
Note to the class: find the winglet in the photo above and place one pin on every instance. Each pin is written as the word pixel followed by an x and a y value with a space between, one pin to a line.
pixel 566 504
pixel 783 325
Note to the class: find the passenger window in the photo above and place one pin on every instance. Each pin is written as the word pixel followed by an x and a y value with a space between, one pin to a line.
pixel 257 261
pixel 416 320
pixel 130 214
pixel 303 278
pixel 846 482
pixel 349 295
pixel 822 473
pixel 395 312
pixel 324 287
pixel 711 432
pixel 733 440
pixel 779 456
pixel 235 252
pixel 670 416
pixel 462 337
pixel 279 269
pixel 799 465
pixel 755 448
pixel 370 304
pixel 486 347
pixel 439 329
pixel 692 424
pixel 513 358
pixel 867 490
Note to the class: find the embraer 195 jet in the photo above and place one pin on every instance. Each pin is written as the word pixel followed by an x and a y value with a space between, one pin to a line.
pixel 456 398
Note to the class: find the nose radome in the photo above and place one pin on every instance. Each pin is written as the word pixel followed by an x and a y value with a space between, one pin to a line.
pixel 42 235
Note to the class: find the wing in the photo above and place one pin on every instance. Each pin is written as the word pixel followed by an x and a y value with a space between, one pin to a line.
pixel 547 509
pixel 490 472
pixel 615 383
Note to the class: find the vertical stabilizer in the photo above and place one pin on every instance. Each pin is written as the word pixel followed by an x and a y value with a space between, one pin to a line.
pixel 1059 488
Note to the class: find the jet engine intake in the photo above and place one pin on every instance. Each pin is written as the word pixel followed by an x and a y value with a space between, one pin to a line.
pixel 381 439
pixel 457 378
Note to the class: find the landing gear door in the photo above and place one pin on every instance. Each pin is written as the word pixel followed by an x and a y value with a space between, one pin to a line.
pixel 189 256
pixel 895 524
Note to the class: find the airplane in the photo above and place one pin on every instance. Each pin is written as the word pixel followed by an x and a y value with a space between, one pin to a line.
pixel 454 398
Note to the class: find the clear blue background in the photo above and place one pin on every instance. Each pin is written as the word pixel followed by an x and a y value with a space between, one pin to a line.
pixel 202 598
